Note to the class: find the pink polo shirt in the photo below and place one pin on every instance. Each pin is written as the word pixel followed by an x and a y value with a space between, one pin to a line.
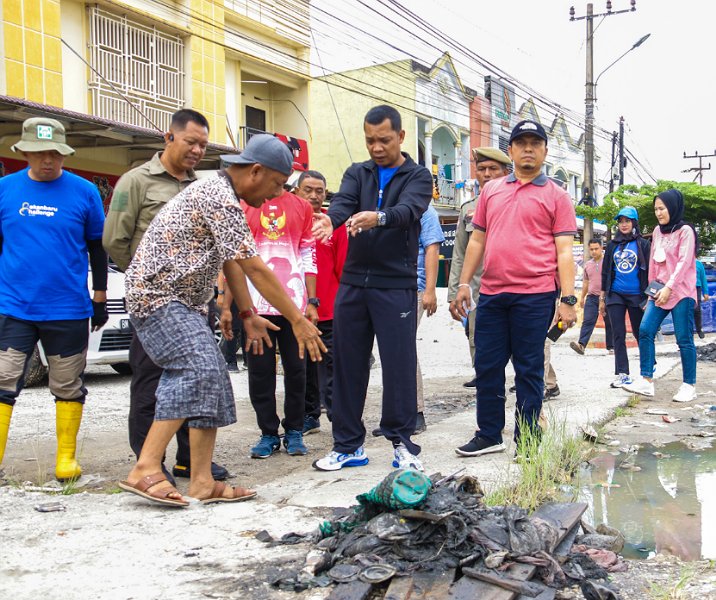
pixel 520 222
pixel 678 270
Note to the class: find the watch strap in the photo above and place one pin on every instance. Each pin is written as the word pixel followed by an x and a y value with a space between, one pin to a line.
pixel 245 314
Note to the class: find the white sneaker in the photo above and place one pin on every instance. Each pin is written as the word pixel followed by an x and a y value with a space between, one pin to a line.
pixel 686 393
pixel 403 459
pixel 336 460
pixel 621 380
pixel 640 386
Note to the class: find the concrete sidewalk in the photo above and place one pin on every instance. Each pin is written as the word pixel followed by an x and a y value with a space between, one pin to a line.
pixel 585 399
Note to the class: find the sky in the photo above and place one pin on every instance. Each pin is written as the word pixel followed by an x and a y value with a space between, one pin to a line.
pixel 664 89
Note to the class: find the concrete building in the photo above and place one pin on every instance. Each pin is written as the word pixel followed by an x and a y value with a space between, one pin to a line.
pixel 437 109
pixel 114 72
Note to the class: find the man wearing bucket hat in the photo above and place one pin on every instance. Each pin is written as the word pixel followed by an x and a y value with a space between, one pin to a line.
pixel 524 210
pixel 50 220
pixel 201 231
pixel 490 163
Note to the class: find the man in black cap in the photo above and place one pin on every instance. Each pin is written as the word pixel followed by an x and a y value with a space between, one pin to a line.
pixel 524 227
pixel 50 221
pixel 169 282
pixel 490 163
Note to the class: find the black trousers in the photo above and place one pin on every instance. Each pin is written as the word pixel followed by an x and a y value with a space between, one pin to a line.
pixel 319 377
pixel 591 314
pixel 391 316
pixel 262 382
pixel 697 312
pixel 143 400
pixel 617 307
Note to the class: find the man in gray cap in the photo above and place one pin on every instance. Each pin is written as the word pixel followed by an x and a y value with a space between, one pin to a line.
pixel 138 196
pixel 490 163
pixel 50 220
pixel 169 281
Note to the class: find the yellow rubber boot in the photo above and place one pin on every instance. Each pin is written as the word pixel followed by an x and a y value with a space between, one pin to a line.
pixel 69 417
pixel 5 414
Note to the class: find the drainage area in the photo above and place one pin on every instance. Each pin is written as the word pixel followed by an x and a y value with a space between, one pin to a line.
pixel 660 498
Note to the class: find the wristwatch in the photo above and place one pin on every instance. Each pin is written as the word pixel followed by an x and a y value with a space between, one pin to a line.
pixel 315 302
pixel 381 218
pixel 569 300
pixel 245 314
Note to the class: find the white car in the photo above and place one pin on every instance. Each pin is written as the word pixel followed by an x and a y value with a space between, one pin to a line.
pixel 108 346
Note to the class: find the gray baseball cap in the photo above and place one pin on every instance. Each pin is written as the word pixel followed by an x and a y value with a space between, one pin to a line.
pixel 265 150
pixel 40 134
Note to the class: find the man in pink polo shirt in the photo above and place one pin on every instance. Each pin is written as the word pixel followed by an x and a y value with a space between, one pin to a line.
pixel 524 227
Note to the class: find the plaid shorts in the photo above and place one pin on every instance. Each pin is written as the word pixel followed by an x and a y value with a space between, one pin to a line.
pixel 195 384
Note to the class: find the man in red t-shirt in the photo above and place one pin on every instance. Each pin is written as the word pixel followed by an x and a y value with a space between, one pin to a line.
pixel 282 230
pixel 524 227
pixel 330 256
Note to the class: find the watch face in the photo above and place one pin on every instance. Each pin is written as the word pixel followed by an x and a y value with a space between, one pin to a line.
pixel 570 300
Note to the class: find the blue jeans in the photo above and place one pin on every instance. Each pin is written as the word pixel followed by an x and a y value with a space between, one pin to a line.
pixel 683 317
pixel 510 325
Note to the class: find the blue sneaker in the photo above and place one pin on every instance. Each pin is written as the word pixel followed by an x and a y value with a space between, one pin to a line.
pixel 335 460
pixel 293 441
pixel 266 446
pixel 311 425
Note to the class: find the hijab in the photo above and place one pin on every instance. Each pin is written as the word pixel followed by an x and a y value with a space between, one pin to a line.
pixel 674 202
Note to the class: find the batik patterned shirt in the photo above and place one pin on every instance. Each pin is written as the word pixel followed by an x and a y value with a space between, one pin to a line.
pixel 182 252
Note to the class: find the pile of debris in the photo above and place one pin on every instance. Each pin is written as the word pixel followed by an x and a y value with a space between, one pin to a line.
pixel 706 352
pixel 441 539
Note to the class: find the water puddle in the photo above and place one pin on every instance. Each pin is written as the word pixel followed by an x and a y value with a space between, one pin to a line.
pixel 663 499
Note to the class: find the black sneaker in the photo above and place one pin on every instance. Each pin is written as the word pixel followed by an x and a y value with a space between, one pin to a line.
pixel 470 384
pixel 478 446
pixel 550 393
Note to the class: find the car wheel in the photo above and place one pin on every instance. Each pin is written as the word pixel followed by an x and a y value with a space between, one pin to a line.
pixel 122 368
pixel 35 372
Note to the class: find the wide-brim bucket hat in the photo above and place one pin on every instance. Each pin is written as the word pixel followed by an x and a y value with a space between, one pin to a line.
pixel 40 134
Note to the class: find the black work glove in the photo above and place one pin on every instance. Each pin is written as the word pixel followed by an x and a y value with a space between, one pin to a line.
pixel 100 315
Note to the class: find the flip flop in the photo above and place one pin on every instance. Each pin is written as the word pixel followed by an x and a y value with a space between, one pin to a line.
pixel 160 496
pixel 240 494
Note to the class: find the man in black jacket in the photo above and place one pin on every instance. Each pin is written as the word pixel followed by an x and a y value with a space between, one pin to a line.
pixel 381 202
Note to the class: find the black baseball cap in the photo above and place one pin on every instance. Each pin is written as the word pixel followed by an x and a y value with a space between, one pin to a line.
pixel 527 126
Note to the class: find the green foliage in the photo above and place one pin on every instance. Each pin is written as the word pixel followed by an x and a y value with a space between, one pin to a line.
pixel 700 207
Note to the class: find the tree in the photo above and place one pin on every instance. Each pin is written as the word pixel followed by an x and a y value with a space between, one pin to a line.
pixel 699 207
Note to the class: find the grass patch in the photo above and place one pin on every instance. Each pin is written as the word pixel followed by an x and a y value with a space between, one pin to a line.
pixel 633 401
pixel 621 411
pixel 673 591
pixel 554 457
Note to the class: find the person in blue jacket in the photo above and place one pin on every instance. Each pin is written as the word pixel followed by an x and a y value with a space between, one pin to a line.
pixel 702 294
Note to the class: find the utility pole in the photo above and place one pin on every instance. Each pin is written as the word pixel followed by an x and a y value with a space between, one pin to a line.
pixel 588 193
pixel 622 162
pixel 613 163
pixel 700 169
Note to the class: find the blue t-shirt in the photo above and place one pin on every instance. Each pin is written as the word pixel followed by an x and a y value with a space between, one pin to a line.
pixel 44 228
pixel 626 270
pixel 385 174
pixel 430 233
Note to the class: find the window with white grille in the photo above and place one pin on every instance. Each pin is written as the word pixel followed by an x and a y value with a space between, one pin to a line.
pixel 146 65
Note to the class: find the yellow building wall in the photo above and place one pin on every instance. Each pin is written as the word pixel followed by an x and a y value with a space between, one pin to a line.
pixel 354 94
pixel 32 50
pixel 208 64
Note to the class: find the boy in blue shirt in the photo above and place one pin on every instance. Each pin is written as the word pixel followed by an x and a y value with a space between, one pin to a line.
pixel 50 220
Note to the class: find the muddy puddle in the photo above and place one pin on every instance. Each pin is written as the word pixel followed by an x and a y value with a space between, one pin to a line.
pixel 663 499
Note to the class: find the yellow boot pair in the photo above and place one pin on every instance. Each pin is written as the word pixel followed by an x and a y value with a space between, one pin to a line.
pixel 5 414
pixel 68 419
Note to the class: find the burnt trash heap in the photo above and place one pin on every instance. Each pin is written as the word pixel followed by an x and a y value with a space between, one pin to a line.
pixel 414 536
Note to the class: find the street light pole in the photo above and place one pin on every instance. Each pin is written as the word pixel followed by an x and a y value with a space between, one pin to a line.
pixel 589 196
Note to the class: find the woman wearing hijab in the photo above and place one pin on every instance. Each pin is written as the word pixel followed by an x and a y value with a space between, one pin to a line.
pixel 624 279
pixel 673 264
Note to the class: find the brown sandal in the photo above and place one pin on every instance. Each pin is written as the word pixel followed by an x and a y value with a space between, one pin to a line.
pixel 240 494
pixel 160 496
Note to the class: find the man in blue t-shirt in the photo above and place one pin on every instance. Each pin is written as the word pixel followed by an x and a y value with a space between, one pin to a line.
pixel 50 220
